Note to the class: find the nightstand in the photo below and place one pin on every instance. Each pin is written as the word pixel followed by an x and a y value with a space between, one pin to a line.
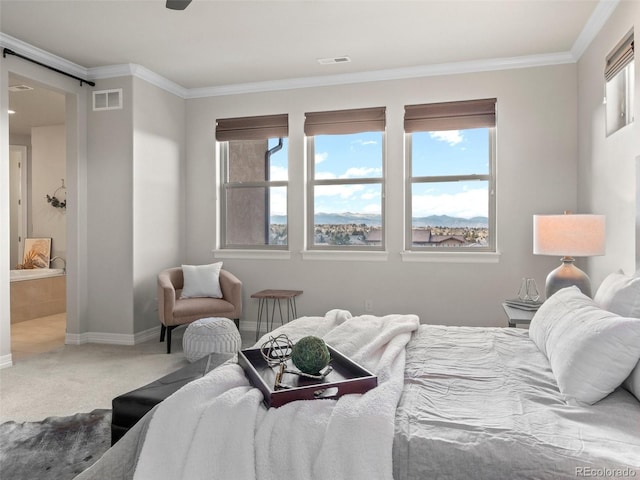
pixel 516 315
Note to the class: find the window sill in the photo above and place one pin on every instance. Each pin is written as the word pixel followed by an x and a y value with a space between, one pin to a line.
pixel 451 257
pixel 252 254
pixel 359 256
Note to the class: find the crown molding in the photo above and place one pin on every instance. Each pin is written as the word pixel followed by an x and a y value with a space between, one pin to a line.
pixel 384 75
pixel 596 21
pixel 42 56
pixel 143 73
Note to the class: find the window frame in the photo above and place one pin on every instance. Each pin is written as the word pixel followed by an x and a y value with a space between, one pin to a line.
pixel 312 182
pixel 226 185
pixel 490 178
pixel 620 71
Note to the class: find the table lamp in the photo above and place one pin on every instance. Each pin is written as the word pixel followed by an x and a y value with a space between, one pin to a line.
pixel 569 235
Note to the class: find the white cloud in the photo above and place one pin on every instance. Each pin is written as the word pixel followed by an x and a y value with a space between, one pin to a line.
pixel 373 208
pixel 278 201
pixel 278 173
pixel 358 172
pixel 344 192
pixel 466 204
pixel 452 137
pixel 321 157
pixel 370 195
pixel 364 142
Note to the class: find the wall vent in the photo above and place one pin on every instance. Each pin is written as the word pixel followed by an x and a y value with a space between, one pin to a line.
pixel 107 99
pixel 332 60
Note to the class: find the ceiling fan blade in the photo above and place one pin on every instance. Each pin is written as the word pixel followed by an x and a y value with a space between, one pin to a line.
pixel 178 4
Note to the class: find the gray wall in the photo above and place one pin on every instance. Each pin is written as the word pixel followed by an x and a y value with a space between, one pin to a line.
pixel 110 214
pixel 607 173
pixel 158 194
pixel 136 207
pixel 536 171
pixel 48 168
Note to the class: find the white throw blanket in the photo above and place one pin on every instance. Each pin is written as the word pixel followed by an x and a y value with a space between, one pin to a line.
pixel 217 427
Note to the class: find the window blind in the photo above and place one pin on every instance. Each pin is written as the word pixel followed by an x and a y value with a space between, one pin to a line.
pixel 450 115
pixel 345 121
pixel 620 57
pixel 252 128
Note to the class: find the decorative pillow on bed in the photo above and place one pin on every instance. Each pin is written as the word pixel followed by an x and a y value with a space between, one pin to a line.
pixel 591 350
pixel 620 293
pixel 201 281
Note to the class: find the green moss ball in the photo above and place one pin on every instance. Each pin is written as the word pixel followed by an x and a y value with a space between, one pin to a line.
pixel 310 355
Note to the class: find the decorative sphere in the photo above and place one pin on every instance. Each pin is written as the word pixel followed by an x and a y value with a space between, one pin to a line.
pixel 310 355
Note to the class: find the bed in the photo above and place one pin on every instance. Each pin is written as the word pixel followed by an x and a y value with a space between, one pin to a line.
pixel 467 403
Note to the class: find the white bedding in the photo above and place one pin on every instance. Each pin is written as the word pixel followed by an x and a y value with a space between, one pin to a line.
pixel 477 403
pixel 482 403
pixel 217 428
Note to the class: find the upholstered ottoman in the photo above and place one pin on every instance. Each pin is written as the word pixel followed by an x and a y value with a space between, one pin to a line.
pixel 210 335
pixel 130 407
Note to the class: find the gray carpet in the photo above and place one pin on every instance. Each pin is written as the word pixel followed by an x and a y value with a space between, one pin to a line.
pixel 55 448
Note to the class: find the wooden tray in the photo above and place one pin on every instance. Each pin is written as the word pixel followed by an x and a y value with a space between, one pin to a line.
pixel 347 377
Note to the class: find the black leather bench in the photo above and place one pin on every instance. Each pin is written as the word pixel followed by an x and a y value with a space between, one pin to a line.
pixel 130 407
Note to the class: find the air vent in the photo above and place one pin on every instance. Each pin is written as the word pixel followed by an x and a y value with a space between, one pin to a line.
pixel 20 88
pixel 107 99
pixel 333 60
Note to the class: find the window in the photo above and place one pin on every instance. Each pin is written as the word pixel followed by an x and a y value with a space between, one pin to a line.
pixel 619 85
pixel 346 179
pixel 254 163
pixel 450 184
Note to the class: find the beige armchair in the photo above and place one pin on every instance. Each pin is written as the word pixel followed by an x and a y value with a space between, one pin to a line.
pixel 174 311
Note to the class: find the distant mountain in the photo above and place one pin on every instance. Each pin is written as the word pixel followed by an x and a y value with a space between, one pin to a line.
pixel 374 219
pixel 447 221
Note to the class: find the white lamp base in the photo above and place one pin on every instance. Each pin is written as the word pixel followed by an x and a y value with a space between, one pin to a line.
pixel 567 275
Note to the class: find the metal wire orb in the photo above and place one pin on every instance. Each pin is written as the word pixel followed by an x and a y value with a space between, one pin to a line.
pixel 276 350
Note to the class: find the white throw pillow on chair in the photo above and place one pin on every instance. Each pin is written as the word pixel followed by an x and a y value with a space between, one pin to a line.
pixel 201 281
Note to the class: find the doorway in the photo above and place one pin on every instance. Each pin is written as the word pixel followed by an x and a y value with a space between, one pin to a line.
pixel 37 170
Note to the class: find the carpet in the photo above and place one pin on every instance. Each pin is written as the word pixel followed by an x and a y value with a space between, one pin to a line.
pixel 55 448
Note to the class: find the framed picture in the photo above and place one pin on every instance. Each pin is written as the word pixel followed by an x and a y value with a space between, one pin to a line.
pixel 37 253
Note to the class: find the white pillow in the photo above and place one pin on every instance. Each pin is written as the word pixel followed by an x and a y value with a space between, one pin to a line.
pixel 620 293
pixel 201 281
pixel 632 383
pixel 591 350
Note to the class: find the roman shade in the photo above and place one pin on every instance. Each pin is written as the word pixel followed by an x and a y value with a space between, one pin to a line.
pixel 345 121
pixel 252 128
pixel 620 57
pixel 450 115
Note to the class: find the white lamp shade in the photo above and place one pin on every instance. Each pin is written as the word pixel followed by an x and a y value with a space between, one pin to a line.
pixel 569 235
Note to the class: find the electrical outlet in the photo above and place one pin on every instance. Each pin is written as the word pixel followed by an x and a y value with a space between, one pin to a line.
pixel 368 305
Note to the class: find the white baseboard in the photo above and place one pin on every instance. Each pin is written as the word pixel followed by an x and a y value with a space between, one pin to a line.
pixel 145 335
pixel 112 338
pixel 6 361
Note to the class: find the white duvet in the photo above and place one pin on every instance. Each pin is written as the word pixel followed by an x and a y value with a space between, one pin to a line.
pixel 483 404
pixel 218 428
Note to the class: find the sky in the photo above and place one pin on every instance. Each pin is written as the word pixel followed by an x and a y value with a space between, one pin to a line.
pixel 455 152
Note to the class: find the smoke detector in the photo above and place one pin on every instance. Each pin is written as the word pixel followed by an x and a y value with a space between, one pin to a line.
pixel 20 88
pixel 333 60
